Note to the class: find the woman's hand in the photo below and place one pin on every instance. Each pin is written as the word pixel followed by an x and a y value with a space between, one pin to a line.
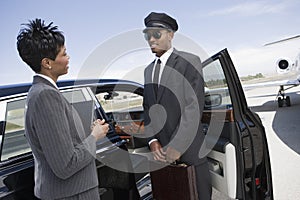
pixel 99 129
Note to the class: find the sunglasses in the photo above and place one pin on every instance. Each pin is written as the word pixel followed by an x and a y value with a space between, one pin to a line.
pixel 156 34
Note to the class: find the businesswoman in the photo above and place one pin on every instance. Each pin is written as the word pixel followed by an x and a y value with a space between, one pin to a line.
pixel 64 154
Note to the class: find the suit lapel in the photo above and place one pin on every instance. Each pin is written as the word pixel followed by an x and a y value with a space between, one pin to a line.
pixel 148 81
pixel 148 78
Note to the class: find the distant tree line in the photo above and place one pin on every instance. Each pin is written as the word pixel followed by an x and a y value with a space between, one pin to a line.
pixel 219 83
pixel 216 83
pixel 250 77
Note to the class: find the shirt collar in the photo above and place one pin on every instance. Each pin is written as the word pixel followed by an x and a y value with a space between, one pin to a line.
pixel 164 58
pixel 48 79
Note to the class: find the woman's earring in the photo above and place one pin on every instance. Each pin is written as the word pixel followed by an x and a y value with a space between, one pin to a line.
pixel 50 67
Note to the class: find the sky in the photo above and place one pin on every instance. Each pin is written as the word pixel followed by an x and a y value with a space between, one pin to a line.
pixel 108 34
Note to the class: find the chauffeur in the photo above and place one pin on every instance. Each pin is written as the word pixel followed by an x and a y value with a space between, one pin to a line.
pixel 174 100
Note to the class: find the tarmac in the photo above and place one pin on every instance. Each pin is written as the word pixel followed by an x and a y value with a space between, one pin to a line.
pixel 282 125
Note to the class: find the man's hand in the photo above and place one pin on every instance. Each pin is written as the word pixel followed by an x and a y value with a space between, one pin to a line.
pixel 158 153
pixel 172 155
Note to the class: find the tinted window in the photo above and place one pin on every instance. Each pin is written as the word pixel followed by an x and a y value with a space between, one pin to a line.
pixel 120 101
pixel 14 141
pixel 216 84
pixel 74 96
pixel 125 109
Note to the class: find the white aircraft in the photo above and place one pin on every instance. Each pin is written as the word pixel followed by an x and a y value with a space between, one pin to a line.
pixel 284 56
pixel 287 64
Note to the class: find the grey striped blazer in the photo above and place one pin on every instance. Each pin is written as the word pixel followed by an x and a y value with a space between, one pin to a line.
pixel 64 154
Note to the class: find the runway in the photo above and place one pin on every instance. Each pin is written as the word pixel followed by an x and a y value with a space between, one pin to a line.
pixel 282 127
pixel 283 134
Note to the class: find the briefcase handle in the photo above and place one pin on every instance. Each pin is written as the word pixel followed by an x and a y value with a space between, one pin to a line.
pixel 178 163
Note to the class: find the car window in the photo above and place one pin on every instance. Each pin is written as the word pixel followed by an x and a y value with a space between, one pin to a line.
pixel 120 101
pixel 74 96
pixel 216 85
pixel 14 140
pixel 125 109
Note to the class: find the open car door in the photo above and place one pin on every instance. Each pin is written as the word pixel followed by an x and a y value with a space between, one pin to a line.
pixel 235 137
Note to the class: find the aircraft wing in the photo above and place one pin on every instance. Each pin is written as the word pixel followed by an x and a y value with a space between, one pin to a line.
pixel 272 83
pixel 282 40
pixel 284 85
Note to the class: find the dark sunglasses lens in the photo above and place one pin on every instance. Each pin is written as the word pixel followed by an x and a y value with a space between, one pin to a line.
pixel 147 36
pixel 156 35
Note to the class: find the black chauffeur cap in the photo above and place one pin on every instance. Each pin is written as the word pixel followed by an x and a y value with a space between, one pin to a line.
pixel 160 20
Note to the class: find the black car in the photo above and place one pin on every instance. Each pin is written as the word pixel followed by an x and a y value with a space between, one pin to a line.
pixel 235 137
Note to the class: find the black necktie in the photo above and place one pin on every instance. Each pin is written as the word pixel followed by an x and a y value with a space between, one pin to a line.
pixel 156 76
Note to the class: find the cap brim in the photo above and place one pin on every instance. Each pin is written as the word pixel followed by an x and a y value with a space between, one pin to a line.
pixel 155 28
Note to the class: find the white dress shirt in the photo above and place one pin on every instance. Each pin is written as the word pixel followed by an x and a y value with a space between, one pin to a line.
pixel 164 58
pixel 47 78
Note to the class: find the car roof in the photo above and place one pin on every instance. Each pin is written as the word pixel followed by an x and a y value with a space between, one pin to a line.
pixel 13 89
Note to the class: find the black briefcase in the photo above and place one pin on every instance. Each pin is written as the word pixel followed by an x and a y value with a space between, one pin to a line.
pixel 174 182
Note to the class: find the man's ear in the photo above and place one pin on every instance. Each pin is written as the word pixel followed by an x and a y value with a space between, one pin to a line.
pixel 171 35
pixel 46 63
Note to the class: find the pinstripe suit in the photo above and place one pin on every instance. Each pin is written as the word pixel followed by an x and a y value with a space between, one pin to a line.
pixel 64 154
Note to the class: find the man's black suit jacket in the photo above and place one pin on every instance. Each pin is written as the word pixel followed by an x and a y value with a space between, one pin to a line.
pixel 174 115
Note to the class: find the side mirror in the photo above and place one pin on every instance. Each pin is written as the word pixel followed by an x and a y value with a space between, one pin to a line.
pixel 212 100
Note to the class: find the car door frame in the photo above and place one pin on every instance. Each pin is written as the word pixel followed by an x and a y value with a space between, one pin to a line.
pixel 245 119
pixel 16 168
